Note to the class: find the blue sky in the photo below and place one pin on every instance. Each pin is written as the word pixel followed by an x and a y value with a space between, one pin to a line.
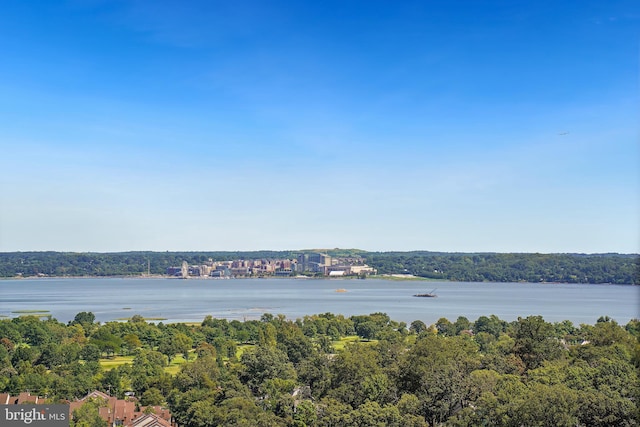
pixel 503 126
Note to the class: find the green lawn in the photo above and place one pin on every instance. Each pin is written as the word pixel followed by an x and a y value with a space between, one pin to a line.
pixel 339 345
pixel 173 368
pixel 113 362
pixel 109 363
pixel 176 362
pixel 241 349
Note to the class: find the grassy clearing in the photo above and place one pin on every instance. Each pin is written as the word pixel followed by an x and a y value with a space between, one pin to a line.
pixel 113 362
pixel 339 345
pixel 176 362
pixel 241 348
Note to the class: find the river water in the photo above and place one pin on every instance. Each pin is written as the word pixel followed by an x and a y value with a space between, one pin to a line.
pixel 244 299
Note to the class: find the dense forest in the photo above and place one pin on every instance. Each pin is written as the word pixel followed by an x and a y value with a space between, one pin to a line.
pixel 328 370
pixel 472 267
pixel 494 267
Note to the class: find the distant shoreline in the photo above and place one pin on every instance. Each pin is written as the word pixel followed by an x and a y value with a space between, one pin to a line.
pixel 397 277
pixel 388 277
pixel 458 267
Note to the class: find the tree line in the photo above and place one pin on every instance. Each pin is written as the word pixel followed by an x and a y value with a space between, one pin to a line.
pixel 511 267
pixel 281 372
pixel 471 267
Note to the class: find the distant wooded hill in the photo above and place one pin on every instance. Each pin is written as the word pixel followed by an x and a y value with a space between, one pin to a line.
pixel 474 267
pixel 494 267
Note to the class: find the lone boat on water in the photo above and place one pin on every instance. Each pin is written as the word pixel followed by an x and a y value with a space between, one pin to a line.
pixel 427 295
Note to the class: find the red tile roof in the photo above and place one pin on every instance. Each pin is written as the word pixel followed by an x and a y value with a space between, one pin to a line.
pixel 116 411
pixel 150 420
pixel 121 411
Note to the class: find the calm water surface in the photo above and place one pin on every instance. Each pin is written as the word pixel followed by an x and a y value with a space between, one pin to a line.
pixel 192 300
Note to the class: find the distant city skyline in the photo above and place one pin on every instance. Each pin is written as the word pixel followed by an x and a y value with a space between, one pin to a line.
pixel 212 126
